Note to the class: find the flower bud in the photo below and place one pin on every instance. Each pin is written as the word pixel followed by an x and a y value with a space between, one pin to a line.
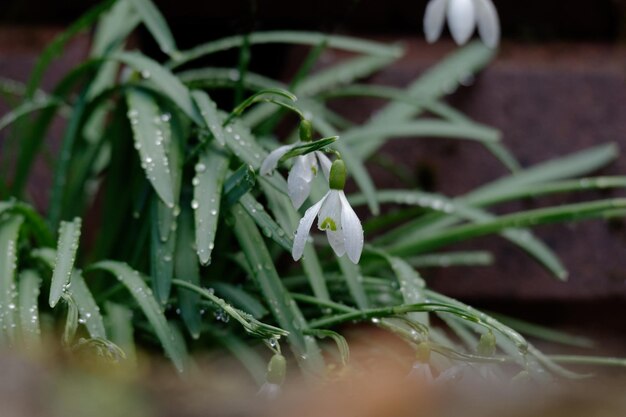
pixel 306 130
pixel 337 179
pixel 276 369
pixel 487 344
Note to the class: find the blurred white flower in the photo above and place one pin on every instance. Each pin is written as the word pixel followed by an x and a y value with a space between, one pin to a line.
pixel 269 391
pixel 463 17
pixel 336 217
pixel 302 172
pixel 422 373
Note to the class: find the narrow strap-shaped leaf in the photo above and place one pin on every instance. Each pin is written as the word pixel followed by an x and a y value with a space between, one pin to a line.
pixel 343 73
pixel 26 108
pixel 186 269
pixel 145 120
pixel 238 184
pixel 342 344
pixel 570 212
pixel 282 306
pixel 148 304
pixel 67 246
pixel 28 291
pixel 299 37
pixel 161 257
pixel 166 82
pixel 353 277
pixel 120 329
pixel 207 192
pixel 268 226
pixel 439 80
pixel 88 310
pixel 240 299
pixel 456 209
pixel 411 283
pixel 156 24
pixel 210 114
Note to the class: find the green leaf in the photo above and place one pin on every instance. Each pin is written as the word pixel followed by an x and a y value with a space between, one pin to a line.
pixel 26 108
pixel 156 24
pixel 239 184
pixel 352 275
pixel 544 333
pixel 161 257
pixel 342 344
pixel 88 309
pixel 282 306
pixel 207 192
pixel 148 304
pixel 290 37
pixel 268 226
pixel 343 73
pixel 28 291
pixel 240 299
pixel 570 212
pixel 422 127
pixel 249 323
pixel 455 209
pixel 120 325
pixel 67 246
pixel 309 147
pixel 439 80
pixel 210 114
pixel 186 269
pixel 165 82
pixel 146 122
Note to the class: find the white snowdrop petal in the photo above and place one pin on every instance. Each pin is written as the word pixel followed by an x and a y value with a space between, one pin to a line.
pixel 461 20
pixel 488 22
pixel 298 190
pixel 336 240
pixel 270 391
pixel 270 163
pixel 304 227
pixel 422 373
pixel 324 162
pixel 330 213
pixel 434 18
pixel 352 230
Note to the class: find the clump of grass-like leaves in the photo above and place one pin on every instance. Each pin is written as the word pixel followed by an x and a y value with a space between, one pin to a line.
pixel 192 244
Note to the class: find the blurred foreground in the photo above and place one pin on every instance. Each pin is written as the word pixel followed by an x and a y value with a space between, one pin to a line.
pixel 375 384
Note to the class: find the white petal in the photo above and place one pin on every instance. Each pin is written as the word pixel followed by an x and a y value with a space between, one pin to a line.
pixel 304 227
pixel 269 391
pixel 488 22
pixel 298 190
pixel 336 240
pixel 299 181
pixel 269 164
pixel 325 163
pixel 330 213
pixel 352 230
pixel 422 373
pixel 434 19
pixel 461 20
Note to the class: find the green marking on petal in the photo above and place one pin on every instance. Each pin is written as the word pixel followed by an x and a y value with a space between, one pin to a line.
pixel 329 223
pixel 314 170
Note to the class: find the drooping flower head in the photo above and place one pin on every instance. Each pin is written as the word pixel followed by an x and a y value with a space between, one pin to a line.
pixel 276 372
pixel 463 17
pixel 304 169
pixel 336 217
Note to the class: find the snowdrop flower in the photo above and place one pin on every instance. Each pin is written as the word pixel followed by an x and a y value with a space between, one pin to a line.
pixel 276 372
pixel 421 368
pixel 336 217
pixel 304 169
pixel 463 17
